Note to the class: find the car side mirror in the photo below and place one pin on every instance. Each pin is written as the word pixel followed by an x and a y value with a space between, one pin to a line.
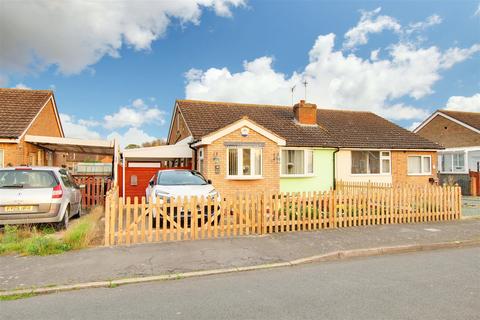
pixel 151 183
pixel 209 181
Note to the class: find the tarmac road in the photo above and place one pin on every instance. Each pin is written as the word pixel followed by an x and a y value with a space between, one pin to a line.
pixel 441 284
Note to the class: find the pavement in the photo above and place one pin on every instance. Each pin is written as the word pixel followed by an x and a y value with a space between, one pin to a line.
pixel 173 258
pixel 441 284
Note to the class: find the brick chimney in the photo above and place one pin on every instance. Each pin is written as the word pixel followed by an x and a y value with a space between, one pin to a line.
pixel 305 113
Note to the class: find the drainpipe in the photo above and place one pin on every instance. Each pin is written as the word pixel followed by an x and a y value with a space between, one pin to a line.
pixel 194 153
pixel 335 169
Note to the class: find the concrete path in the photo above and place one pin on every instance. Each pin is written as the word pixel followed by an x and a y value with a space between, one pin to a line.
pixel 174 257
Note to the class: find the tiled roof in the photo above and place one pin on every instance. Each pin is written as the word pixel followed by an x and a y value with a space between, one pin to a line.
pixel 18 107
pixel 470 118
pixel 336 128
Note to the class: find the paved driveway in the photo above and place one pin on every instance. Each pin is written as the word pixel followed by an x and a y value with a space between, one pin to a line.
pixel 470 206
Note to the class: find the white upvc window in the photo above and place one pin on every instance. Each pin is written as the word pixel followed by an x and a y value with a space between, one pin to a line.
pixel 452 162
pixel 200 161
pixel 419 165
pixel 370 162
pixel 244 163
pixel 296 162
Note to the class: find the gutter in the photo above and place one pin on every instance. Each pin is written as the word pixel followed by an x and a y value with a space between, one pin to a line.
pixel 194 152
pixel 335 168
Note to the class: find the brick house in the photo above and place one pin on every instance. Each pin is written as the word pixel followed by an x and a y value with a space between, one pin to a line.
pixel 248 147
pixel 459 133
pixel 27 112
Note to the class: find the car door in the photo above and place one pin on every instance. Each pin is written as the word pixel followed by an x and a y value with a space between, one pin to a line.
pixel 77 194
pixel 69 191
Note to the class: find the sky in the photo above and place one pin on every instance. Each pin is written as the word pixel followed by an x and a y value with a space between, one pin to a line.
pixel 118 66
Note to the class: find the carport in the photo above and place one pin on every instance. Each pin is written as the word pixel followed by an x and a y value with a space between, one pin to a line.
pixel 58 144
pixel 140 164
pixel 93 192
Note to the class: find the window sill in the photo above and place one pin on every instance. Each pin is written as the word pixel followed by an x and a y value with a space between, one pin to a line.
pixel 371 174
pixel 244 177
pixel 310 175
pixel 456 172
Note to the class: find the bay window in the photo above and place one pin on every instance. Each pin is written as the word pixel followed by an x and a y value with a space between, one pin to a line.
pixel 452 162
pixel 419 165
pixel 244 162
pixel 370 162
pixel 296 162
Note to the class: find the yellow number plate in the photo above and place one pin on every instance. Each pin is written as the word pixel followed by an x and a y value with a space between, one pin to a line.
pixel 18 208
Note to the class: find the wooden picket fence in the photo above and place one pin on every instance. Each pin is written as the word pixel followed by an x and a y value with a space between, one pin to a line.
pixel 94 189
pixel 164 219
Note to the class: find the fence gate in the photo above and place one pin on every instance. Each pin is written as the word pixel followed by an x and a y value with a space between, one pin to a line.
pixel 94 189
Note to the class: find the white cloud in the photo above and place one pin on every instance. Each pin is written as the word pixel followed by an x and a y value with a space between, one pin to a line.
pixel 131 136
pixel 461 103
pixel 76 34
pixel 370 22
pixel 422 25
pixel 455 55
pixel 477 12
pixel 414 125
pixel 335 79
pixel 21 86
pixel 136 115
pixel 77 129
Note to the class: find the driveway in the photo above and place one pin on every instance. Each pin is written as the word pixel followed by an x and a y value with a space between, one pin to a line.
pixel 470 206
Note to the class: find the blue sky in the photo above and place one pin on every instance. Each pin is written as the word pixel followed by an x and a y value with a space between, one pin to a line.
pixel 119 73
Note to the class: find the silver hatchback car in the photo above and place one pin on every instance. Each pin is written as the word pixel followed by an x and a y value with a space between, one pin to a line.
pixel 38 195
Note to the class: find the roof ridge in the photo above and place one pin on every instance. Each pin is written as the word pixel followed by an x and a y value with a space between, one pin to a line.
pixel 267 105
pixel 235 103
pixel 447 110
pixel 29 90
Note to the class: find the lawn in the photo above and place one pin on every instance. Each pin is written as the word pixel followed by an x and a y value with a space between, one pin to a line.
pixel 42 240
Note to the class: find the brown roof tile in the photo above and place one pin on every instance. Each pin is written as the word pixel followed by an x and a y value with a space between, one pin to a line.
pixel 336 128
pixel 18 107
pixel 470 118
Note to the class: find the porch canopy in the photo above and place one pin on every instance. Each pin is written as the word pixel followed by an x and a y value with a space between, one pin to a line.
pixel 57 144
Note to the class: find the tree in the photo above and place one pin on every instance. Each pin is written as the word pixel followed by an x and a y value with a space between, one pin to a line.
pixel 132 146
pixel 155 143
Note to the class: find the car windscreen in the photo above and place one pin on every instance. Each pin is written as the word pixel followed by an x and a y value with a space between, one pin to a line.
pixel 180 178
pixel 27 179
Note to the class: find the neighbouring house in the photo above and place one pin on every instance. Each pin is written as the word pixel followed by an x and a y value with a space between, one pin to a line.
pixel 250 147
pixel 459 133
pixel 27 112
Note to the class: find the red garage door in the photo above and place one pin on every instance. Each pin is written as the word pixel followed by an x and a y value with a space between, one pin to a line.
pixel 137 178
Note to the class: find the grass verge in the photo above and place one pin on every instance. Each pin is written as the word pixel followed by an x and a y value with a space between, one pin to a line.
pixel 33 240
pixel 17 296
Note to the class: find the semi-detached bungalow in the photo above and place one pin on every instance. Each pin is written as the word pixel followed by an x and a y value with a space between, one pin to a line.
pixel 248 147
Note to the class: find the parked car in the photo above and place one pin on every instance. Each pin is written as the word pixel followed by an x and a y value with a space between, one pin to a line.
pixel 170 184
pixel 38 195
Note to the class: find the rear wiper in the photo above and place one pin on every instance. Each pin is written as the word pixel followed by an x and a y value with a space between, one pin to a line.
pixel 13 186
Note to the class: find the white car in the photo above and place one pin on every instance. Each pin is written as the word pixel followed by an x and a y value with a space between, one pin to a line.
pixel 38 195
pixel 170 184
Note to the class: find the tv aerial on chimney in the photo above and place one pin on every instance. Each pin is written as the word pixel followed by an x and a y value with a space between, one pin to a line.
pixel 305 83
pixel 292 89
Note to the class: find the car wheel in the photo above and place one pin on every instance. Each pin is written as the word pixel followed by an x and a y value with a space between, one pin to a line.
pixel 63 224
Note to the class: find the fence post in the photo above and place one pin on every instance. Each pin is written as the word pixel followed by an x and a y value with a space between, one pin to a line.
pixel 107 219
pixel 262 226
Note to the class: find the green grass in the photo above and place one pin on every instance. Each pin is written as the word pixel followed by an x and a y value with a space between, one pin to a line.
pixel 41 241
pixel 17 296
